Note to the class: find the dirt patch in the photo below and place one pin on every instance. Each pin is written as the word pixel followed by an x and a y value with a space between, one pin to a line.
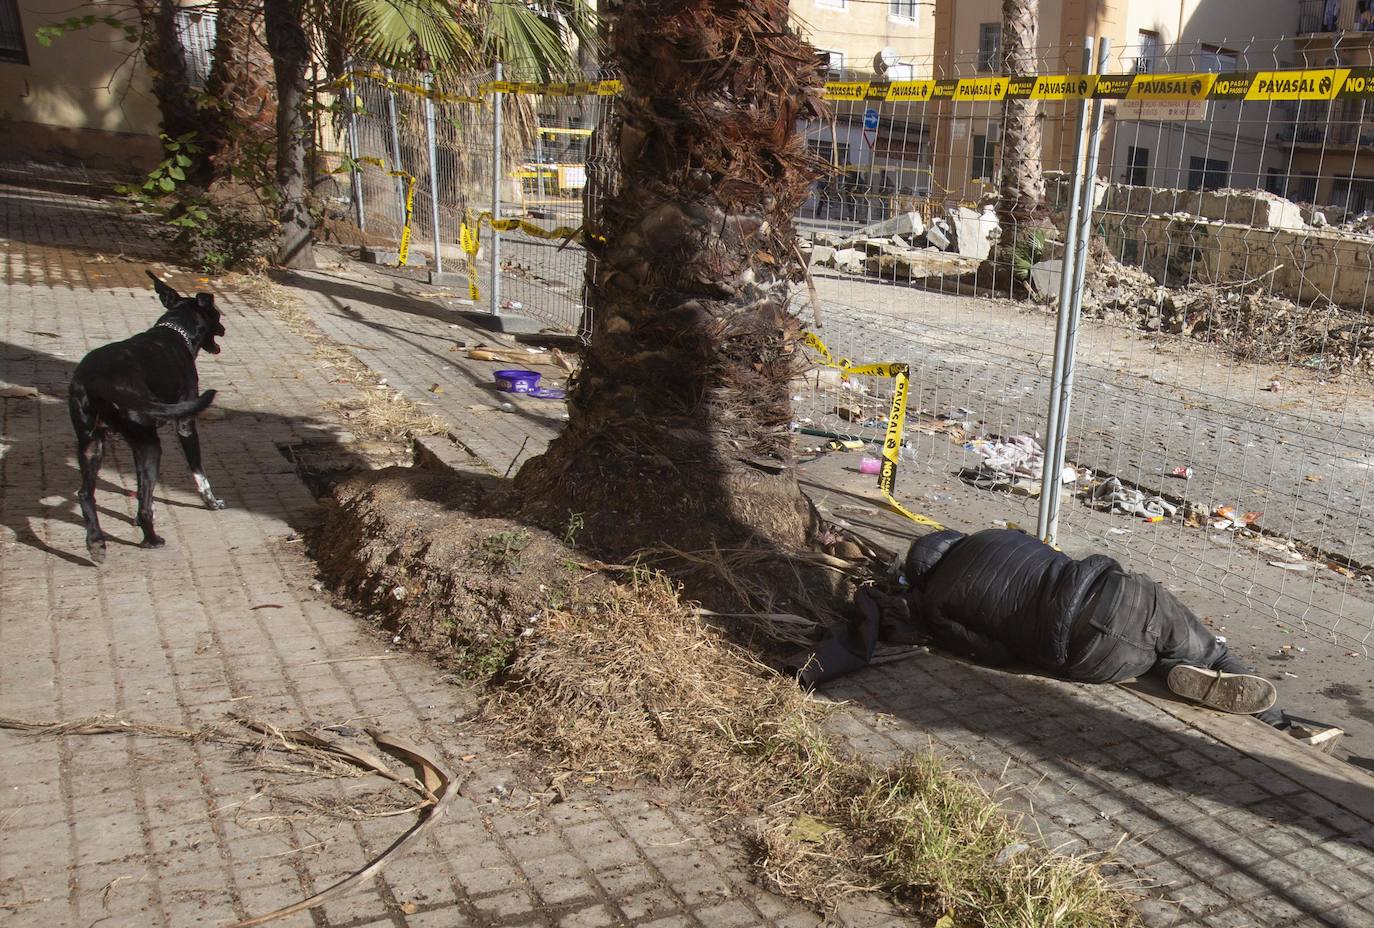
pixel 607 670
pixel 414 549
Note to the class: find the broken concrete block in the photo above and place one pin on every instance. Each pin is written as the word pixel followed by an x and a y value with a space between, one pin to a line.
pixel 901 224
pixel 822 256
pixel 974 232
pixel 850 260
pixel 938 235
pixel 1045 277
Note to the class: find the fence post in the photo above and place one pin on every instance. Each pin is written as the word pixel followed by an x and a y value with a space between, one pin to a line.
pixel 355 174
pixel 433 175
pixel 1050 478
pixel 395 148
pixel 1085 221
pixel 496 100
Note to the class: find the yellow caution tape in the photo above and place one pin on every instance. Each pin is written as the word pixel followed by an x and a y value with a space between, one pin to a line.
pixel 607 88
pixel 1304 84
pixel 470 237
pixel 403 249
pixel 896 418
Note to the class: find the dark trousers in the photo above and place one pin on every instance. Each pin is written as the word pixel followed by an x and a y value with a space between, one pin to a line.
pixel 1130 626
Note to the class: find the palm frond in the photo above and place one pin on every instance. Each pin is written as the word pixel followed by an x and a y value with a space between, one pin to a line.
pixel 411 33
pixel 534 40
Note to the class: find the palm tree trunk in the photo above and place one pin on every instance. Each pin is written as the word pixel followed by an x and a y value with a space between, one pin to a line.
pixel 679 428
pixel 286 40
pixel 165 56
pixel 238 92
pixel 1021 202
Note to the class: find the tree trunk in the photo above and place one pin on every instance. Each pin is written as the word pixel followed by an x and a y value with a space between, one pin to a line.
pixel 165 56
pixel 239 102
pixel 286 40
pixel 1021 197
pixel 679 430
pixel 1023 179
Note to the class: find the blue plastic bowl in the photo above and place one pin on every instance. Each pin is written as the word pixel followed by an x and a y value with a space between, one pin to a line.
pixel 517 381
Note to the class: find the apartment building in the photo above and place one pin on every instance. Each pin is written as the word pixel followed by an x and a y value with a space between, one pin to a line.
pixel 1195 145
pixel 880 151
pixel 1327 148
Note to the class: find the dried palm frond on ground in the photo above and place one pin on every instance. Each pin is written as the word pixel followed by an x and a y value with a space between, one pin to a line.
pixel 377 412
pixel 613 672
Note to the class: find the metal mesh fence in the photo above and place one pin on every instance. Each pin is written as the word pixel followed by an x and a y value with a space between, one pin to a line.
pixel 1219 418
pixel 442 135
pixel 1219 428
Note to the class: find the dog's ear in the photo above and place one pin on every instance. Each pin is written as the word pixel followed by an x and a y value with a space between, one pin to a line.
pixel 169 297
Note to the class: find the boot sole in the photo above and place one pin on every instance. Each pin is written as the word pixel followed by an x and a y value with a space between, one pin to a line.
pixel 1237 693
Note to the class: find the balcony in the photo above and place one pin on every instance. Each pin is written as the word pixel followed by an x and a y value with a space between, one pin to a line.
pixel 1325 17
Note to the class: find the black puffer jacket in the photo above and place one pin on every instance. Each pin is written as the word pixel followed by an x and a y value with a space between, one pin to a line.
pixel 999 595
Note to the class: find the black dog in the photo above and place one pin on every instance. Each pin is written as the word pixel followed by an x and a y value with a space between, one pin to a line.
pixel 134 386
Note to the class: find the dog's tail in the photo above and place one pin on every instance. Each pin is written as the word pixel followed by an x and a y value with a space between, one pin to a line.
pixel 141 407
pixel 182 410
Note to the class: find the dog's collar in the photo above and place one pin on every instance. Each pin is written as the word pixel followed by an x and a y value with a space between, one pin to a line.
pixel 185 335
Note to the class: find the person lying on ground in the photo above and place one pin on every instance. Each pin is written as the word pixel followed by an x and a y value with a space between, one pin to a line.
pixel 1000 596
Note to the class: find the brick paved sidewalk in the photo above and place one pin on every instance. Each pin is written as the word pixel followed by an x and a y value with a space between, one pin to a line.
pixel 129 830
pixel 1221 820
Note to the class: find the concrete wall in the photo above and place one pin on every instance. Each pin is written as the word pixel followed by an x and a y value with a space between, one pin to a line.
pixel 1312 264
pixel 80 98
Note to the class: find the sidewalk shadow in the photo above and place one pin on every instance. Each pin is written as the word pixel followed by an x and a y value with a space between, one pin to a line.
pixel 38 434
pixel 1194 801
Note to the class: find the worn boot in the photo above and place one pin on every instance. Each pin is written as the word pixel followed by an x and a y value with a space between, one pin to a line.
pixel 1240 693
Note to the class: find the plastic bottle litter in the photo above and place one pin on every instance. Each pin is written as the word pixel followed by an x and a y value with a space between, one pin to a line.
pixel 870 465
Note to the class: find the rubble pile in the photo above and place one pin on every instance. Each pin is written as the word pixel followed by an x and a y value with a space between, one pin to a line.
pixel 1251 324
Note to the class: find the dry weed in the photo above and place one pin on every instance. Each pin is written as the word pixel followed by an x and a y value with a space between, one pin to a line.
pixel 631 683
pixel 376 412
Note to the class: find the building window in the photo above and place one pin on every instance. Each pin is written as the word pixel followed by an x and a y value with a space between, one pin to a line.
pixel 1218 60
pixel 1207 173
pixel 834 64
pixel 982 158
pixel 197 30
pixel 12 47
pixel 902 9
pixel 1137 166
pixel 1354 196
pixel 1147 61
pixel 989 46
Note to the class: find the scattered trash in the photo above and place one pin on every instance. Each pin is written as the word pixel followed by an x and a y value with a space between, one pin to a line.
pixel 1289 565
pixel 1274 386
pixel 1313 478
pixel 436 388
pixel 1221 639
pixel 1118 531
pixel 869 465
pixel 512 304
pixel 11 391
pixel 1112 496
pixel 1185 472
pixel 1015 464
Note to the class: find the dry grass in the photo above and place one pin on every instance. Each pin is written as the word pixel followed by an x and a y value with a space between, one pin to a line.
pixel 377 412
pixel 631 683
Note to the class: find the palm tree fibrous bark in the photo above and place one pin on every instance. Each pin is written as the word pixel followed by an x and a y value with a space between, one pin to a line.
pixel 1023 179
pixel 680 419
